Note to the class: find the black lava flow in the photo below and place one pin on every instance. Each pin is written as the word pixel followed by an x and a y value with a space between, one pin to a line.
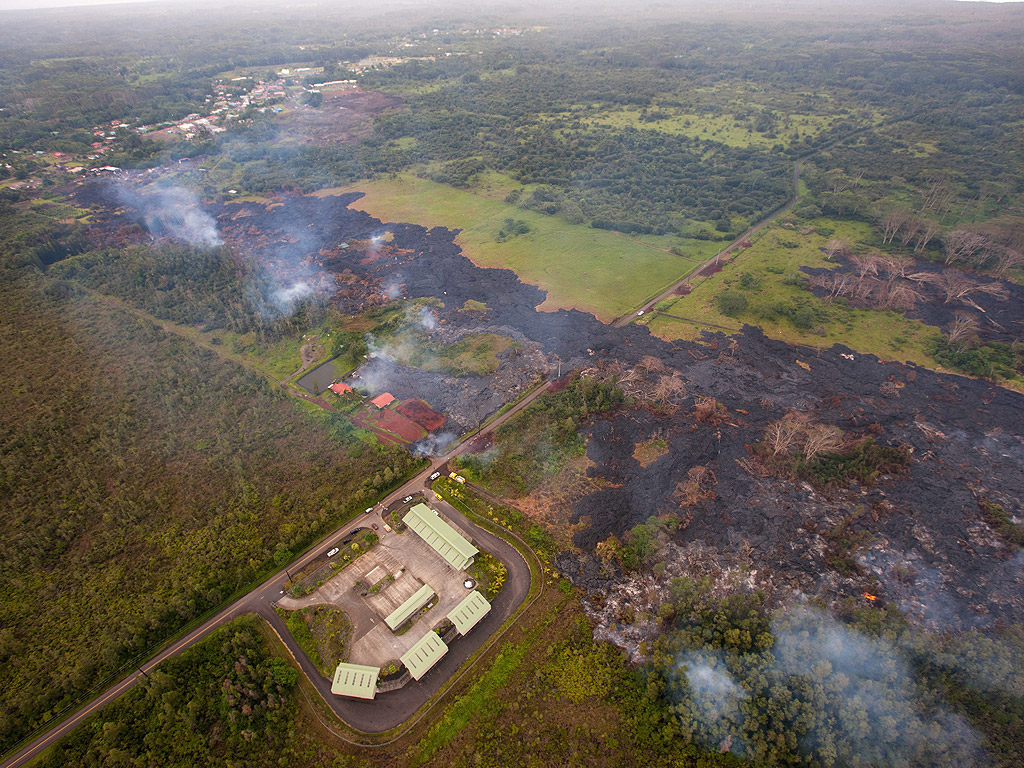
pixel 966 435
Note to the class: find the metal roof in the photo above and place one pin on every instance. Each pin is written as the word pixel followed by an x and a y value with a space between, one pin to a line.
pixel 355 680
pixel 399 616
pixel 383 400
pixel 425 654
pixel 444 539
pixel 468 613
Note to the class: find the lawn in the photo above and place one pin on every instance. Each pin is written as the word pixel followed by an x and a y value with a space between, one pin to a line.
pixel 773 264
pixel 593 270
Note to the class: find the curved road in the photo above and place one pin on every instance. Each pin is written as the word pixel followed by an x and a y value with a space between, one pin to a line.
pixel 390 709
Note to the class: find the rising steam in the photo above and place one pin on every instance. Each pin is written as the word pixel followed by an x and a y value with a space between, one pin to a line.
pixel 842 696
pixel 171 211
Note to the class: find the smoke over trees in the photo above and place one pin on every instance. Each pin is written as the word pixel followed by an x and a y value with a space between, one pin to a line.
pixel 801 688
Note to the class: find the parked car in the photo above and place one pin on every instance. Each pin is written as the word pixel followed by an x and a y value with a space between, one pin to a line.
pixel 375 526
pixel 407 499
pixel 435 476
pixel 333 552
pixel 460 479
pixel 347 541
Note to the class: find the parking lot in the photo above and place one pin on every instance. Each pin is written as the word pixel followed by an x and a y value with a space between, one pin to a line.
pixel 410 563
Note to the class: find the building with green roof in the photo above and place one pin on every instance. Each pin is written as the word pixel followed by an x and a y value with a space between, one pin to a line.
pixel 355 680
pixel 468 613
pixel 443 539
pixel 402 613
pixel 424 655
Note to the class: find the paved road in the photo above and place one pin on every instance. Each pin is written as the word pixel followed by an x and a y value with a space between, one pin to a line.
pixel 631 316
pixel 392 708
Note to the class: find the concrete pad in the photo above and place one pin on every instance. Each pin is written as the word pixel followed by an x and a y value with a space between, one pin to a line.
pixel 372 642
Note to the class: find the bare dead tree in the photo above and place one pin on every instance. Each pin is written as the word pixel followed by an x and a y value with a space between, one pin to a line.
pixel 833 284
pixel 911 226
pixel 821 438
pixel 669 390
pixel 836 246
pixel 926 234
pixel 953 283
pixel 865 265
pixel 650 364
pixel 699 484
pixel 962 331
pixel 963 246
pixel 1006 259
pixel 899 295
pixel 781 436
pixel 896 265
pixel 892 222
pixel 995 290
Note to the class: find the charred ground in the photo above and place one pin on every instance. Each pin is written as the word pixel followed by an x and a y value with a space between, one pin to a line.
pixel 918 537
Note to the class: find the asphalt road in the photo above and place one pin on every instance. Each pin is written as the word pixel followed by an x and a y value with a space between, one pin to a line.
pixel 390 709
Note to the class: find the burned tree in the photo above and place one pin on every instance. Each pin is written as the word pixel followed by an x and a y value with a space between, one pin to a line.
pixel 837 246
pixel 965 247
pixel 819 439
pixel 782 435
pixel 962 331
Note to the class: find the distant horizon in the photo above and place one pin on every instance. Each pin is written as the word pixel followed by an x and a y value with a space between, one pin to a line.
pixel 28 5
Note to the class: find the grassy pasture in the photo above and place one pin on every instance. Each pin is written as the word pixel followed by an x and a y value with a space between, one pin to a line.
pixel 593 270
pixel 773 262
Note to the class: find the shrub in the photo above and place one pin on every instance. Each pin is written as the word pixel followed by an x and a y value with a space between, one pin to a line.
pixel 732 303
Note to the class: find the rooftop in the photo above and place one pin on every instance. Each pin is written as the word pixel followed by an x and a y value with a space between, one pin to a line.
pixel 468 613
pixel 424 655
pixel 401 614
pixel 383 400
pixel 355 680
pixel 444 539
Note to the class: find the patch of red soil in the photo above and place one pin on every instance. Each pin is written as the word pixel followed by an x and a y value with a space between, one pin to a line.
pixel 396 424
pixel 422 414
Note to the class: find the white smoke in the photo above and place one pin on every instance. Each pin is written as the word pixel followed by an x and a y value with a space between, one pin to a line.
pixel 842 695
pixel 285 299
pixel 394 286
pixel 714 690
pixel 427 319
pixel 434 445
pixel 171 211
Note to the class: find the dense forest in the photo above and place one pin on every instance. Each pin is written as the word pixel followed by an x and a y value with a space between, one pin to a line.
pixel 145 481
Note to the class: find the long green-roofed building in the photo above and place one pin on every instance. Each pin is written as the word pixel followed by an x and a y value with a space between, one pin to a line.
pixel 401 614
pixel 444 539
pixel 424 655
pixel 355 680
pixel 468 613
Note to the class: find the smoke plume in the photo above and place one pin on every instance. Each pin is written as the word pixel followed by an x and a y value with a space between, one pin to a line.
pixel 171 211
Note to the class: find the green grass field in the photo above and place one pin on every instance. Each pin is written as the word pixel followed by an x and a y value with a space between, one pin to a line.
pixel 593 270
pixel 777 255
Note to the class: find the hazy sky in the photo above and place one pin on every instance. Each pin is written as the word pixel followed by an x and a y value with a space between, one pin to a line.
pixel 8 5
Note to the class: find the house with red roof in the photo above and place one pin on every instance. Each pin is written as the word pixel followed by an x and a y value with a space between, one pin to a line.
pixel 384 400
pixel 340 388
